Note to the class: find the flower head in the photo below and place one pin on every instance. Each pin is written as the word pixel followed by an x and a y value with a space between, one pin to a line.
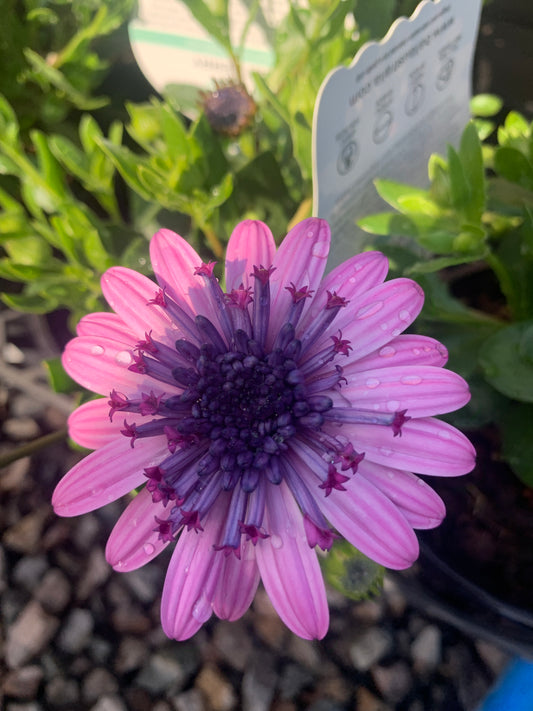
pixel 260 422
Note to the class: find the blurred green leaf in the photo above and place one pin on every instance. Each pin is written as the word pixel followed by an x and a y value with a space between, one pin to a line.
pixel 58 378
pixel 517 440
pixel 485 105
pixel 507 360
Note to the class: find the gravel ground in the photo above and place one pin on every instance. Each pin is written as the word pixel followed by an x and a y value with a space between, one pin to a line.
pixel 76 635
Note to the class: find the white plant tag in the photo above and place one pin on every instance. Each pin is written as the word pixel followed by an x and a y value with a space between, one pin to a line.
pixel 400 100
pixel 171 47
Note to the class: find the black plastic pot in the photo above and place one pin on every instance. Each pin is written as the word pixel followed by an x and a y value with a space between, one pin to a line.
pixel 441 592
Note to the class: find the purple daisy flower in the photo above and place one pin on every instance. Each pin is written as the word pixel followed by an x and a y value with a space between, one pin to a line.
pixel 260 422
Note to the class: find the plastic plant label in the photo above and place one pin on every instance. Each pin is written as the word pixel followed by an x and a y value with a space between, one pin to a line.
pixel 171 47
pixel 400 100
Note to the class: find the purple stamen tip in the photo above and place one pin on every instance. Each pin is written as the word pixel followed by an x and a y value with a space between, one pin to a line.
pixel 263 273
pixel 159 299
pixel 400 418
pixel 335 301
pixel 298 294
pixel 205 269
pixel 130 431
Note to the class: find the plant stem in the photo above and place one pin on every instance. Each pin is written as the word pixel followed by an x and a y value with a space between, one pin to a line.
pixel 32 447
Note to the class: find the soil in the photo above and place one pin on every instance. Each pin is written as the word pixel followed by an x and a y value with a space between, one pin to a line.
pixel 489 518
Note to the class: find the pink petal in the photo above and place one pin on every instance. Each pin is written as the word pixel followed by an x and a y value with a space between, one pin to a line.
pixel 377 317
pixel 107 325
pixel 351 280
pixel 174 262
pixel 193 576
pixel 106 475
pixel 251 244
pixel 407 349
pixel 237 584
pixel 133 541
pixel 101 365
pixel 371 523
pixel 289 567
pixel 421 390
pixel 129 293
pixel 425 446
pixel 420 505
pixel 301 259
pixel 89 425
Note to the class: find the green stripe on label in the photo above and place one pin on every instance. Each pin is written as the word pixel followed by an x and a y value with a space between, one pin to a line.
pixel 264 58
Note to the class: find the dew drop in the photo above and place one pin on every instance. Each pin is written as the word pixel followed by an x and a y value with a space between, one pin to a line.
pixel 387 352
pixel 393 405
pixel 369 310
pixel 149 549
pixel 202 610
pixel 123 358
pixel 385 451
pixel 276 541
pixel 411 380
pixel 97 350
pixel 404 315
pixel 119 564
pixel 352 280
pixel 384 326
pixel 395 332
pixel 416 351
pixel 372 383
pixel 391 475
pixel 320 249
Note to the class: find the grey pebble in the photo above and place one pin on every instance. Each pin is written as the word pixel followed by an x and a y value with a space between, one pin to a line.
pixel 29 634
pixel 370 647
pixel 76 631
pixel 54 591
pixel 161 674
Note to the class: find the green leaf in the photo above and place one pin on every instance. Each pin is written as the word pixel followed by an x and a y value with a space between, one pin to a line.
pixel 30 303
pixel 393 192
pixel 485 105
pixel 459 187
pixel 435 265
pixel 58 80
pixel 513 165
pixel 517 440
pixel 471 158
pixel 58 378
pixel 49 167
pixel 507 360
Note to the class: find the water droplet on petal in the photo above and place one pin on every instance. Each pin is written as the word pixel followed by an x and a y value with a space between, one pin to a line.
pixel 276 541
pixel 384 326
pixel 416 351
pixel 387 352
pixel 393 405
pixel 395 332
pixel 369 310
pixel 352 280
pixel 97 350
pixel 202 610
pixel 404 315
pixel 149 549
pixel 123 358
pixel 320 249
pixel 390 474
pixel 411 380
pixel 372 383
pixel 118 564
pixel 385 451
